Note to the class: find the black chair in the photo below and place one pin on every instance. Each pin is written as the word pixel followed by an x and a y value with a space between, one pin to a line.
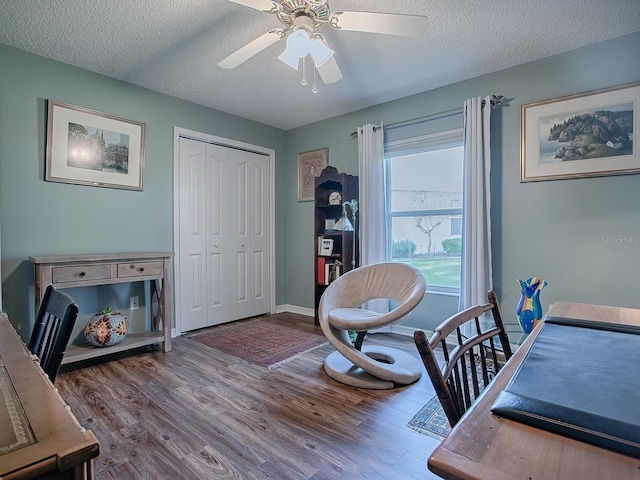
pixel 470 362
pixel 55 320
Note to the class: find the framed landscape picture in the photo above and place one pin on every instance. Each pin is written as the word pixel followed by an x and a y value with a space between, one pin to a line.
pixel 586 135
pixel 86 147
pixel 310 165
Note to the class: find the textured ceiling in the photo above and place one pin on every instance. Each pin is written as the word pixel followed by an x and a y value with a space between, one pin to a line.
pixel 173 47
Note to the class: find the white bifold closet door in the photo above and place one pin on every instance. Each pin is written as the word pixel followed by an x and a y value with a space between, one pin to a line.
pixel 224 234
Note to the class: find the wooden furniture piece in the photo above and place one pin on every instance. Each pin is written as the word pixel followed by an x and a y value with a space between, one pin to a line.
pixel 39 436
pixel 89 270
pixel 51 332
pixel 341 187
pixel 467 369
pixel 374 367
pixel 483 445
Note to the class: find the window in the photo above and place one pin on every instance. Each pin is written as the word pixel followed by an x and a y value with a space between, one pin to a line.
pixel 424 206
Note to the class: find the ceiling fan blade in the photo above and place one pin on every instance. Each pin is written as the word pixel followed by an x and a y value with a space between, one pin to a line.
pixel 390 23
pixel 264 5
pixel 329 71
pixel 252 48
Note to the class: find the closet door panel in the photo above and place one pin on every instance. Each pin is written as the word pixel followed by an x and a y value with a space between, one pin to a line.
pixel 192 234
pixel 260 234
pixel 218 234
pixel 239 168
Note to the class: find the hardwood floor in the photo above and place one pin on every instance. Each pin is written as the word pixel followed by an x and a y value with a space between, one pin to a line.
pixel 197 413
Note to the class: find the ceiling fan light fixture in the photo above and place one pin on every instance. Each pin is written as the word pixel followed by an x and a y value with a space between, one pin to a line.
pixel 298 45
pixel 320 52
pixel 290 59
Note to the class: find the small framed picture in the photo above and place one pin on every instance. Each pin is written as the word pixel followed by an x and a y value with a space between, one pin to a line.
pixel 325 246
pixel 329 225
pixel 310 166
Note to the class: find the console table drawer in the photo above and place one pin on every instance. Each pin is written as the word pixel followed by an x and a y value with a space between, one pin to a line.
pixel 79 273
pixel 137 269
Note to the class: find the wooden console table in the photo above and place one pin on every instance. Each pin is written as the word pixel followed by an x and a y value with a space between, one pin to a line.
pixel 39 436
pixel 69 271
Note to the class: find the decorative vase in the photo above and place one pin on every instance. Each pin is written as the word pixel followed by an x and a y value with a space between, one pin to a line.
pixel 106 328
pixel 529 309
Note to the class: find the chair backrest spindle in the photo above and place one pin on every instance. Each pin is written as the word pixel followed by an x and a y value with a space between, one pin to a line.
pixel 469 366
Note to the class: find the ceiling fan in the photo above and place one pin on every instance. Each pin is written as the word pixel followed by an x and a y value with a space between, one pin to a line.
pixel 300 18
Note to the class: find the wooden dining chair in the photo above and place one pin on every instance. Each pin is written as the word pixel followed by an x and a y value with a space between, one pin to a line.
pixel 470 360
pixel 55 320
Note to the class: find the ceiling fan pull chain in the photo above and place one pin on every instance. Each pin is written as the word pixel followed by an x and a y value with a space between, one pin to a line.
pixel 304 80
pixel 314 89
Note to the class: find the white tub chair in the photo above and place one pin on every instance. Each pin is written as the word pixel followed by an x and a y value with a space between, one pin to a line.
pixel 370 366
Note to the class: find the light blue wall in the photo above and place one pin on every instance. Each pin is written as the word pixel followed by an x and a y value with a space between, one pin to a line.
pixel 47 218
pixel 554 230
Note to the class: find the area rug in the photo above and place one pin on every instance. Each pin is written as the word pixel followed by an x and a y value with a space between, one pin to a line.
pixel 259 342
pixel 431 420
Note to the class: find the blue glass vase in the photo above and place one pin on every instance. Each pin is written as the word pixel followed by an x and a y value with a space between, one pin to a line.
pixel 529 309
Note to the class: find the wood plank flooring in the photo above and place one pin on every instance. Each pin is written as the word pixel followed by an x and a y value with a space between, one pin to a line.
pixel 197 413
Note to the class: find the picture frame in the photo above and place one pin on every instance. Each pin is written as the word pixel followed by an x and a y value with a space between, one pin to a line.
pixel 86 147
pixel 325 246
pixel 590 134
pixel 310 165
pixel 329 225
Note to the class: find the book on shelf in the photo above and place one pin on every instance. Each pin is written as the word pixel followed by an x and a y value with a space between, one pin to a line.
pixel 333 270
pixel 320 269
pixel 327 270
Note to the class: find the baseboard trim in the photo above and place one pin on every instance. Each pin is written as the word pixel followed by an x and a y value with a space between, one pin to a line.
pixel 309 312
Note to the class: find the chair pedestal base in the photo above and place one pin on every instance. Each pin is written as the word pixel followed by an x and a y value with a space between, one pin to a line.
pixel 342 370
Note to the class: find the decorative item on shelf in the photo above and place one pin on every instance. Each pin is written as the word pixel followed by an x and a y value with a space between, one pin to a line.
pixel 529 309
pixel 325 246
pixel 344 225
pixel 335 198
pixel 106 328
pixel 329 225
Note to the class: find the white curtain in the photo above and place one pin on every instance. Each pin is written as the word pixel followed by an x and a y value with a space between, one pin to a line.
pixel 476 217
pixel 373 225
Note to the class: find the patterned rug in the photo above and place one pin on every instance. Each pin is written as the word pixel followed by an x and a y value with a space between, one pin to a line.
pixel 431 420
pixel 263 343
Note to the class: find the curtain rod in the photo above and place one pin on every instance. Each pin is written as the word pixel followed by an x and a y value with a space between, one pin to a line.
pixel 495 100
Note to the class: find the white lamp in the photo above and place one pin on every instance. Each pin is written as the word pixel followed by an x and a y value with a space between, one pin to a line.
pixel 320 52
pixel 300 44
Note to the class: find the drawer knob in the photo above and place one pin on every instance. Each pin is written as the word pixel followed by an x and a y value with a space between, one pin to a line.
pixel 141 269
pixel 132 266
pixel 82 274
